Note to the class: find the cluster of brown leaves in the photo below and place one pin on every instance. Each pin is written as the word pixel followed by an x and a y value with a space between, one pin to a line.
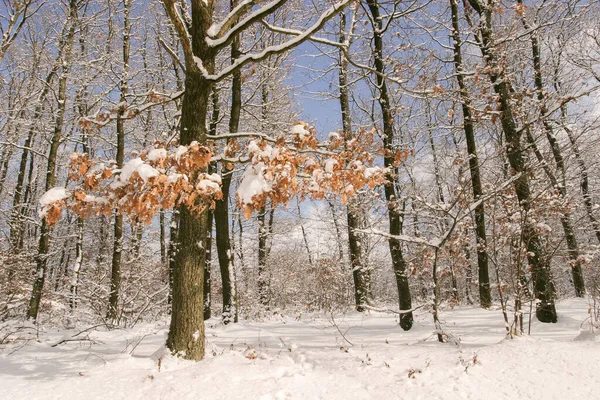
pixel 161 178
pixel 301 166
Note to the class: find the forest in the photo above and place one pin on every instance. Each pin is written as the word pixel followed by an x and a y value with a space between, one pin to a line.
pixel 247 160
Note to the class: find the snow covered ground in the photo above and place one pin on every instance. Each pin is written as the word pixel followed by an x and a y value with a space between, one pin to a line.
pixel 349 356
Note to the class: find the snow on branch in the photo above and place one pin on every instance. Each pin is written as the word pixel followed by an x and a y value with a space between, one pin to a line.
pixel 439 241
pixel 220 35
pixel 125 111
pixel 274 49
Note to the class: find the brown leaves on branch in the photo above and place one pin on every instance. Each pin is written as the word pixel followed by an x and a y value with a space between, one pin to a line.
pixel 165 177
pixel 161 178
pixel 301 166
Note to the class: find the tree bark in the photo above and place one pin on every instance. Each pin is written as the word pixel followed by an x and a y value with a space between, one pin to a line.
pixel 224 251
pixel 115 278
pixel 186 330
pixel 536 256
pixel 394 216
pixel 485 294
pixel 354 212
pixel 561 186
pixel 44 242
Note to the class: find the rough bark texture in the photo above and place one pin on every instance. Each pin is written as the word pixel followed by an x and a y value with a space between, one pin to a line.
pixel 186 330
pixel 394 216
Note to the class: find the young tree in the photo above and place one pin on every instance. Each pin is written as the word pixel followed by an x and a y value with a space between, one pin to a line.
pixel 115 278
pixel 65 50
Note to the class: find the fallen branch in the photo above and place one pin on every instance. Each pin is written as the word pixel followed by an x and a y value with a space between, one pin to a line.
pixel 390 310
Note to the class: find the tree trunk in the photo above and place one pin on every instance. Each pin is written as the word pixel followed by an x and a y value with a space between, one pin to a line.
pixel 224 251
pixel 584 182
pixel 537 258
pixel 485 294
pixel 438 183
pixel 16 225
pixel 394 216
pixel 263 285
pixel 172 251
pixel 78 263
pixel 214 121
pixel 354 212
pixel 163 239
pixel 186 330
pixel 44 242
pixel 208 264
pixel 561 187
pixel 115 278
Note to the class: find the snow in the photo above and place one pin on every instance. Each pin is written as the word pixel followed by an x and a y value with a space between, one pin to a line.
pixel 54 195
pixel 157 154
pixel 51 196
pixel 129 168
pixel 372 171
pixel 315 356
pixel 210 183
pixel 330 164
pixel 144 170
pixel 181 150
pixel 299 130
pixel 94 199
pixel 253 183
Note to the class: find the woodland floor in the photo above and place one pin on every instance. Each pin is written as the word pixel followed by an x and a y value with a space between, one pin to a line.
pixel 350 356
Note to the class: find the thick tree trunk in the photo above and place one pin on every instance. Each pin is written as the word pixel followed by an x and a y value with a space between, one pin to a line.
pixel 44 243
pixel 394 216
pixel 186 330
pixel 537 258
pixel 485 294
